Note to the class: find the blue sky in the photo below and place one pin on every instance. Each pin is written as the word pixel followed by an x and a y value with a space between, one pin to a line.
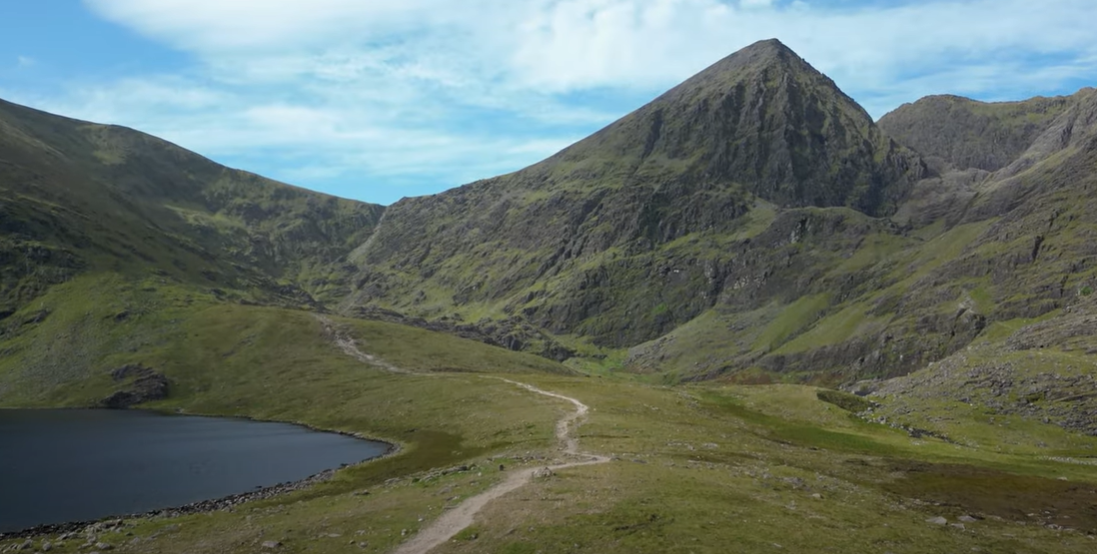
pixel 380 99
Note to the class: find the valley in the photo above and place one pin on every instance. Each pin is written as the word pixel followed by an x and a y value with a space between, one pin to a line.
pixel 697 465
pixel 745 317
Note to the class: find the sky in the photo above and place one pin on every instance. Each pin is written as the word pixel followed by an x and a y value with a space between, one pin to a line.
pixel 381 99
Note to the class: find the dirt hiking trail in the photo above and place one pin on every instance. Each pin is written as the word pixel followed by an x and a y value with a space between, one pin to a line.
pixel 453 521
pixel 350 347
pixel 460 517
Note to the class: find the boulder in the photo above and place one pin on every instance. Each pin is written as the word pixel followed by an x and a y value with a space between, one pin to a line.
pixel 146 385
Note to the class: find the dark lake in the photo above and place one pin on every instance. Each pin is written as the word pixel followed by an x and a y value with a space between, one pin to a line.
pixel 74 465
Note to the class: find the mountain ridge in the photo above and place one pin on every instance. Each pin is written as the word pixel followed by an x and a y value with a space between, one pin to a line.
pixel 695 162
pixel 956 130
pixel 114 198
pixel 680 240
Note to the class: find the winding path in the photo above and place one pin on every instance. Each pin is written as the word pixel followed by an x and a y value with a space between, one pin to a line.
pixel 460 517
pixel 453 521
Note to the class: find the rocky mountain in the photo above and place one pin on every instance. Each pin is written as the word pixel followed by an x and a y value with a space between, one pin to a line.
pixel 754 224
pixel 636 230
pixel 1034 260
pixel 963 133
pixel 77 197
pixel 972 255
pixel 751 224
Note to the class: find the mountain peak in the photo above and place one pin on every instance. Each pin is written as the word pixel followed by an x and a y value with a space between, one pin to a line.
pixel 752 63
pixel 768 48
pixel 762 55
pixel 757 130
pixel 763 118
pixel 771 45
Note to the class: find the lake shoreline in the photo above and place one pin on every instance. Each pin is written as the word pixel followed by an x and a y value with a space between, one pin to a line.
pixel 215 504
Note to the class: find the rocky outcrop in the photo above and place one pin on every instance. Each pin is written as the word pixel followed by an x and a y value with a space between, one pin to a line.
pixel 27 267
pixel 965 133
pixel 142 385
pixel 1003 388
pixel 1041 372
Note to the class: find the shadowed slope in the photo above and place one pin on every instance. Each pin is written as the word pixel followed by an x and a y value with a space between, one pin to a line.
pixel 76 197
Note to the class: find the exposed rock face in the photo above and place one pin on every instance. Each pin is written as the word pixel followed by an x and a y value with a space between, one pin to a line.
pixel 1043 372
pixel 966 133
pixel 762 117
pixel 601 240
pixel 143 385
pixel 1018 243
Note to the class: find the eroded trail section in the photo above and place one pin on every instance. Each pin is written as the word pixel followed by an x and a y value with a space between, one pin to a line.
pixel 453 521
pixel 563 427
pixel 349 346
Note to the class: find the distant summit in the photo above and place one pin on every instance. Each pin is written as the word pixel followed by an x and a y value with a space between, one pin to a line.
pixel 965 133
pixel 767 119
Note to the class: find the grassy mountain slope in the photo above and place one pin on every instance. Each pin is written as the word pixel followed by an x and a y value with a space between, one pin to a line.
pixel 61 350
pixel 77 197
pixel 634 231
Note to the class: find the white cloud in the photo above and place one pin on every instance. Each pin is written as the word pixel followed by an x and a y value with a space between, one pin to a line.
pixel 441 89
pixel 250 25
pixel 574 44
pixel 585 43
pixel 301 144
pixel 25 61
